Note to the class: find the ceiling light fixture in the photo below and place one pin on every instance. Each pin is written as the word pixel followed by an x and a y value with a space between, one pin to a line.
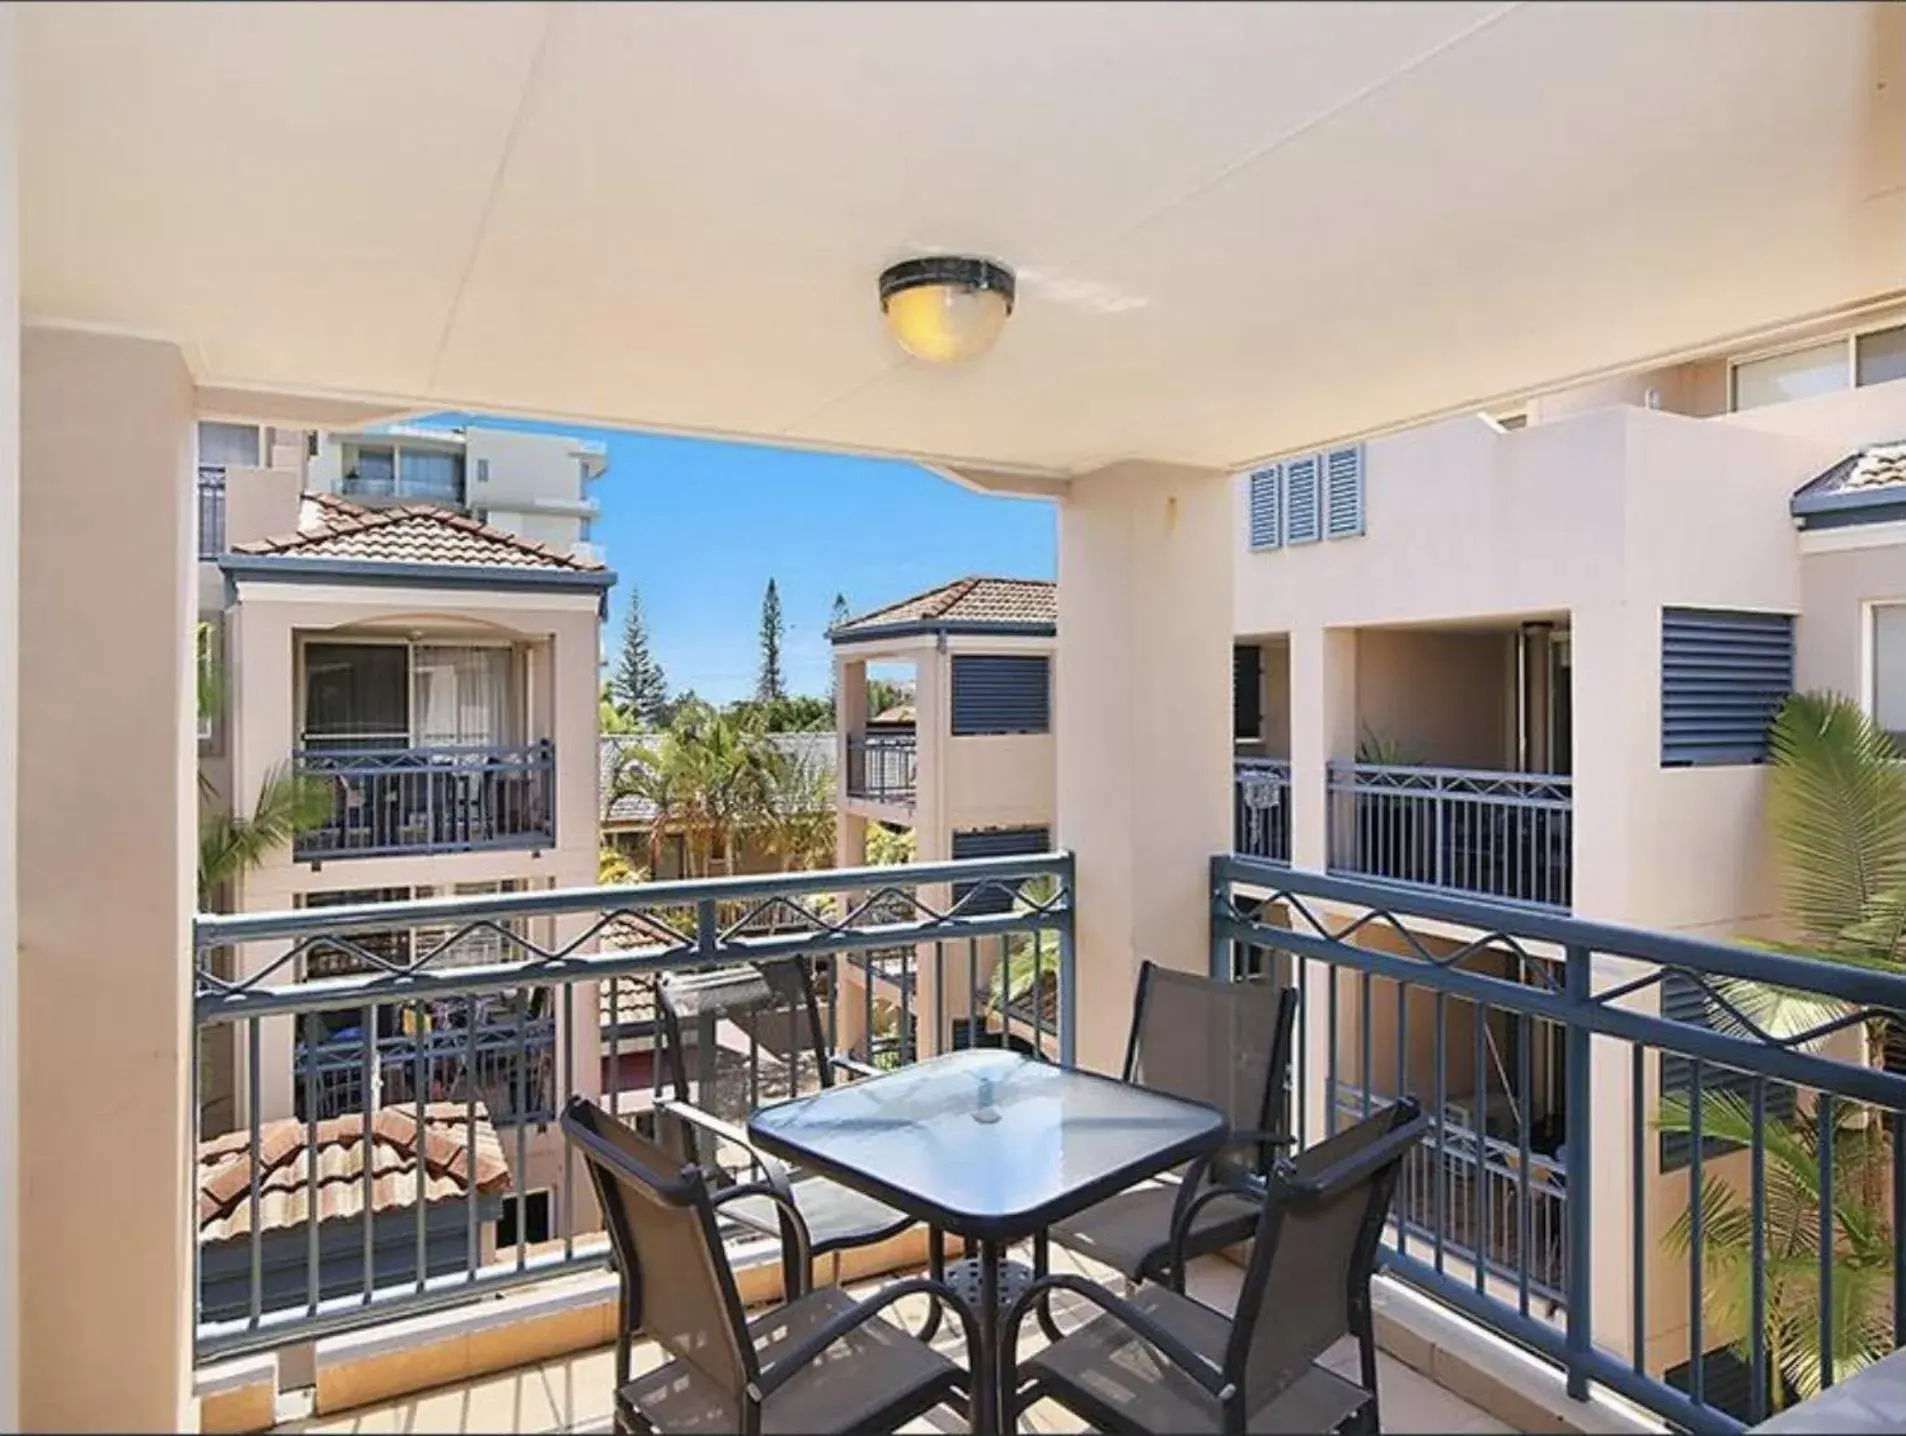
pixel 946 308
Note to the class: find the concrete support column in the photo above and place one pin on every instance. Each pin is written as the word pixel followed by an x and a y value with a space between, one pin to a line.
pixel 1323 694
pixel 1143 697
pixel 11 587
pixel 1323 718
pixel 850 703
pixel 106 848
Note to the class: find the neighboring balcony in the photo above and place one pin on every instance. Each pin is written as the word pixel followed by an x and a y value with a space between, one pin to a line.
pixel 883 768
pixel 1495 834
pixel 388 802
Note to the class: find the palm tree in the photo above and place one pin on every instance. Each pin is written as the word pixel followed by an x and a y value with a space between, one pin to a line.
pixel 1028 964
pixel 710 774
pixel 1837 807
pixel 1863 1252
pixel 230 845
pixel 287 804
pixel 799 810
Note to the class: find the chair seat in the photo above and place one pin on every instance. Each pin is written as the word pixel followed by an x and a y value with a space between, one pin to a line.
pixel 1109 1375
pixel 873 1379
pixel 1131 1232
pixel 837 1217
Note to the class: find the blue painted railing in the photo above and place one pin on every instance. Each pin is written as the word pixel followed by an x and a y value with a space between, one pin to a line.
pixel 560 973
pixel 386 801
pixel 1544 1034
pixel 882 767
pixel 211 496
pixel 1469 830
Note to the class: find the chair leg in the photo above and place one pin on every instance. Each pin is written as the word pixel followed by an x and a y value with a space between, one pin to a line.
pixel 1041 1265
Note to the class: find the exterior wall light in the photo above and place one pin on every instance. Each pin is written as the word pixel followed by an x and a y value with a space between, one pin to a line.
pixel 946 308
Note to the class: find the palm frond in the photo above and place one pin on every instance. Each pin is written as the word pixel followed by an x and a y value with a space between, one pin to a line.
pixel 1837 804
pixel 229 844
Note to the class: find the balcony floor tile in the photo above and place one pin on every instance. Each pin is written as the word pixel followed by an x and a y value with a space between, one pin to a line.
pixel 574 1393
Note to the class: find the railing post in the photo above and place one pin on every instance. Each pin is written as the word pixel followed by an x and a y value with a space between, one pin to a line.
pixel 1220 945
pixel 1578 1168
pixel 1068 971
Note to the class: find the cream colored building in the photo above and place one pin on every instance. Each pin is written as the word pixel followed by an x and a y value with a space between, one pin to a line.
pixel 1239 231
pixel 1530 655
pixel 967 767
pixel 435 678
pixel 534 485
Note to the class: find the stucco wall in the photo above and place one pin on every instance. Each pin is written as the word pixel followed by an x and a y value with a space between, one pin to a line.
pixel 1835 589
pixel 1443 698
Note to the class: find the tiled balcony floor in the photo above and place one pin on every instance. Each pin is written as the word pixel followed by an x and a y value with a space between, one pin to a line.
pixel 574 1393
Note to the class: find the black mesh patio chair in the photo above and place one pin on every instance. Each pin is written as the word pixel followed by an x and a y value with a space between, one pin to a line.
pixel 1223 1043
pixel 818 1362
pixel 775 1004
pixel 1161 1362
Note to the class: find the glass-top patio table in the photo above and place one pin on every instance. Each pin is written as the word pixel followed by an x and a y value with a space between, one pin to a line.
pixel 991 1146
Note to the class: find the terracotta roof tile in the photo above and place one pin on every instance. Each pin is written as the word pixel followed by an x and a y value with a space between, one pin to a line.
pixel 225 1168
pixel 973 600
pixel 410 533
pixel 1879 467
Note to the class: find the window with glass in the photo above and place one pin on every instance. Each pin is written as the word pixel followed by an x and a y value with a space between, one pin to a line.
pixel 397 695
pixel 228 446
pixel 371 473
pixel 1877 356
pixel 1889 669
pixel 1880 357
pixel 1796 374
pixel 430 475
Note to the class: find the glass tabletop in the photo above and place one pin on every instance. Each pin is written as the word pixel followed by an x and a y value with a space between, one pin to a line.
pixel 988 1143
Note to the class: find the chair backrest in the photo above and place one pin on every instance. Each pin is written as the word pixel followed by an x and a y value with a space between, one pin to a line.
pixel 1316 1247
pixel 663 1233
pixel 773 1002
pixel 1227 1044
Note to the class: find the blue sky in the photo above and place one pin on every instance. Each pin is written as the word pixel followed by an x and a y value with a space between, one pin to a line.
pixel 700 526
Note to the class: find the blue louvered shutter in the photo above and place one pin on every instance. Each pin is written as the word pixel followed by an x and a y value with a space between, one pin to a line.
pixel 1001 693
pixel 1303 500
pixel 1343 492
pixel 995 843
pixel 1723 676
pixel 1683 1000
pixel 1267 519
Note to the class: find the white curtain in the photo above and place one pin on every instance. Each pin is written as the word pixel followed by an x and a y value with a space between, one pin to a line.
pixel 461 697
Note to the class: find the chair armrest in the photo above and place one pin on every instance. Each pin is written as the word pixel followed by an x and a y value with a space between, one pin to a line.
pixel 853 1065
pixel 727 1131
pixel 791 1219
pixel 808 1350
pixel 1211 1378
pixel 1187 1213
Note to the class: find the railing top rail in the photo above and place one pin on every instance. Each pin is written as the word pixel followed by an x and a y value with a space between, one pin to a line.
pixel 1507 778
pixel 217 930
pixel 1269 765
pixel 535 747
pixel 1863 986
pixel 883 740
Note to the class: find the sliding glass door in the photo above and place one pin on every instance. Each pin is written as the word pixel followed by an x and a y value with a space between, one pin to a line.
pixel 396 695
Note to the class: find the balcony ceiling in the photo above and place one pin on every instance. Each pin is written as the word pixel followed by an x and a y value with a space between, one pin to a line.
pixel 1240 229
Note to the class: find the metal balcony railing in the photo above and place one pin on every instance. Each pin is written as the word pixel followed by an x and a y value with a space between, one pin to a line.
pixel 387 801
pixel 1261 808
pixel 882 767
pixel 375 488
pixel 1494 834
pixel 211 491
pixel 561 972
pixel 1767 1232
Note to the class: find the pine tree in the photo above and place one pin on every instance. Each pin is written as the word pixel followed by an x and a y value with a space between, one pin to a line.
pixel 770 685
pixel 640 685
pixel 835 619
